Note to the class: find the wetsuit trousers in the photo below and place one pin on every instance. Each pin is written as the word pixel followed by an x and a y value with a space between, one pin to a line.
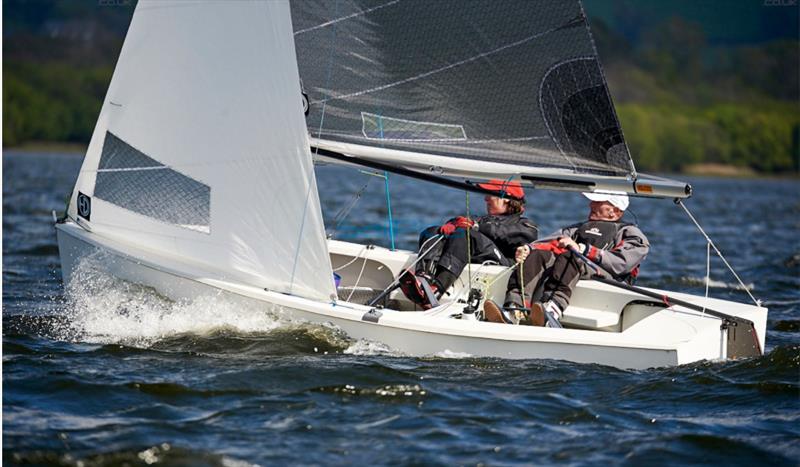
pixel 555 274
pixel 448 258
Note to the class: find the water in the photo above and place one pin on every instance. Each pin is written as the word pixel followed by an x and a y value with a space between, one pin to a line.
pixel 117 375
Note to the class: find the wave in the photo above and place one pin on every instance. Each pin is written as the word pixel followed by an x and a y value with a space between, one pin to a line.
pixel 163 453
pixel 787 325
pixel 715 284
pixel 101 309
pixel 389 391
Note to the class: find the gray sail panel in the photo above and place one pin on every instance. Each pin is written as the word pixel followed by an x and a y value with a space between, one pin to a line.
pixel 516 82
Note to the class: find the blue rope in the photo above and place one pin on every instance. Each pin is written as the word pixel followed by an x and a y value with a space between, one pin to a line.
pixel 386 188
pixel 389 207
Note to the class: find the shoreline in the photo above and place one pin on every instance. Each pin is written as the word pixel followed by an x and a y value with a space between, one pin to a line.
pixel 45 146
pixel 708 169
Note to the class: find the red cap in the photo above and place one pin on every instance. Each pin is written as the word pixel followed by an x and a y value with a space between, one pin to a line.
pixel 504 188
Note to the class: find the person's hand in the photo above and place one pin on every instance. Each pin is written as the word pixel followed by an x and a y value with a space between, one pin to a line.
pixel 459 222
pixel 568 243
pixel 522 253
pixel 464 222
pixel 447 228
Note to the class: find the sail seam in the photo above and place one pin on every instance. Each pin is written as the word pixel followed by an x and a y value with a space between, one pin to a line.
pixel 345 18
pixel 441 69
pixel 132 169
pixel 466 141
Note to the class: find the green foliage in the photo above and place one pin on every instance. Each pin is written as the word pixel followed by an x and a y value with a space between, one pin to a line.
pixel 712 82
pixel 762 137
pixel 51 102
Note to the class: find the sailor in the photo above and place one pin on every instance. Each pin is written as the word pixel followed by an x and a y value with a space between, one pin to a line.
pixel 551 268
pixel 493 237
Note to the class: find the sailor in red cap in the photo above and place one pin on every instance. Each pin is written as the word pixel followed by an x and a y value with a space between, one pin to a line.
pixel 493 237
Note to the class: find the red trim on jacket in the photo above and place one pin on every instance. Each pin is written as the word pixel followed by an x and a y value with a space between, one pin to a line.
pixel 593 252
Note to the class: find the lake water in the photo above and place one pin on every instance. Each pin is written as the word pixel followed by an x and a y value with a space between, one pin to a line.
pixel 120 376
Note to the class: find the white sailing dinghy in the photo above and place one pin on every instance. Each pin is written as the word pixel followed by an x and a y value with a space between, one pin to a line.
pixel 199 176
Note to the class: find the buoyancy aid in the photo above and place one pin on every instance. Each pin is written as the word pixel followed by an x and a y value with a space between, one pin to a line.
pixel 603 235
pixel 599 234
pixel 508 231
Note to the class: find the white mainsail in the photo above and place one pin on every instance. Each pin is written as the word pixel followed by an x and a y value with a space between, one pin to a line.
pixel 201 150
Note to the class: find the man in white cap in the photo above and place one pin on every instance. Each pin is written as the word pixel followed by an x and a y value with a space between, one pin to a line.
pixel 551 268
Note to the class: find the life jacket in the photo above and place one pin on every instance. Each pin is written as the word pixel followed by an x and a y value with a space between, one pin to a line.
pixel 599 234
pixel 508 231
pixel 603 235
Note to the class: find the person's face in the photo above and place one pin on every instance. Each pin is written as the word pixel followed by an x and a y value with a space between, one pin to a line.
pixel 495 206
pixel 603 211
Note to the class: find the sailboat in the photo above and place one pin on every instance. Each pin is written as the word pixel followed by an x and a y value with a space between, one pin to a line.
pixel 199 177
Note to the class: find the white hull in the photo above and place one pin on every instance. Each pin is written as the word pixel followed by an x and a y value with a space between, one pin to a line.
pixel 603 325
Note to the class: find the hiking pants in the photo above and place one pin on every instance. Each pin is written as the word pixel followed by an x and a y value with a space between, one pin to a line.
pixel 554 275
pixel 450 254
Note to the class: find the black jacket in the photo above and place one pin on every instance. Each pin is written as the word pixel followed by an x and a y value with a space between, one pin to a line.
pixel 508 232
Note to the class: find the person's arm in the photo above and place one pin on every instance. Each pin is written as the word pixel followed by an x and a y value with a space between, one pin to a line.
pixel 524 250
pixel 631 249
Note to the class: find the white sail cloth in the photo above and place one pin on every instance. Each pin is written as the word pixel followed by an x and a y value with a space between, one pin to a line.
pixel 201 150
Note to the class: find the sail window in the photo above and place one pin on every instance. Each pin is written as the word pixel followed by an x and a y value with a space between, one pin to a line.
pixel 128 178
pixel 378 127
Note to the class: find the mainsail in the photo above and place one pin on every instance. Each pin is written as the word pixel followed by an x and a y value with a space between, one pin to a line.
pixel 200 151
pixel 509 87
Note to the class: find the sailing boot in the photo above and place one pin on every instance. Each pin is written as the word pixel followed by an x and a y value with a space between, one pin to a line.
pixel 495 314
pixel 510 313
pixel 546 314
pixel 420 288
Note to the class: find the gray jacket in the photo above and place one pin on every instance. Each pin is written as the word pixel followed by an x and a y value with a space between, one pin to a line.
pixel 630 248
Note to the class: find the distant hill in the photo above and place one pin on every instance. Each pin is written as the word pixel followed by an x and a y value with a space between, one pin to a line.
pixel 695 81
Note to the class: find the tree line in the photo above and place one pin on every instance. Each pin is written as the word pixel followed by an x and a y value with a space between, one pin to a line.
pixel 680 100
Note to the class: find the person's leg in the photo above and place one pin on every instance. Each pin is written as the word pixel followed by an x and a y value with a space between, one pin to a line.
pixel 456 255
pixel 533 269
pixel 432 249
pixel 561 281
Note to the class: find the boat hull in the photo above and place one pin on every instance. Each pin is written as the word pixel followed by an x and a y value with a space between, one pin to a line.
pixel 642 345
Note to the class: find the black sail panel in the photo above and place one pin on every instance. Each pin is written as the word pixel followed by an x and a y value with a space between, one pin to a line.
pixel 514 81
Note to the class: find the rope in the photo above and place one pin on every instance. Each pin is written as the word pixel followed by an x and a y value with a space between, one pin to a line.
pixel 438 238
pixel 719 253
pixel 345 211
pixel 521 277
pixel 469 246
pixel 388 203
pixel 358 279
pixel 499 276
pixel 356 258
pixel 708 272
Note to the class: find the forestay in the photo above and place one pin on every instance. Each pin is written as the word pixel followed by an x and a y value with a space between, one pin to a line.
pixel 516 83
pixel 201 152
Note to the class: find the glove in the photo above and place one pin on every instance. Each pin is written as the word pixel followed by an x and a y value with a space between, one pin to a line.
pixel 464 222
pixel 447 229
pixel 552 245
pixel 457 223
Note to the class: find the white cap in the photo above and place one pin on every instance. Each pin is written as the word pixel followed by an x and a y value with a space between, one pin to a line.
pixel 618 199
